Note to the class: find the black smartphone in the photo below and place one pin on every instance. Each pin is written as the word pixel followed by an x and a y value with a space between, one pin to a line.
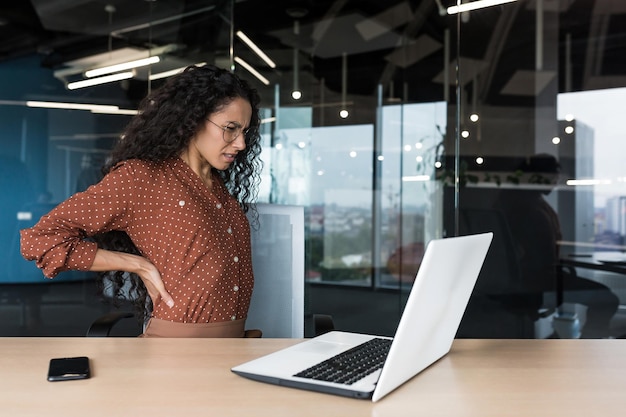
pixel 66 369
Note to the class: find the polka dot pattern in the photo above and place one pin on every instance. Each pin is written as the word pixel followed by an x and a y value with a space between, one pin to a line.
pixel 198 239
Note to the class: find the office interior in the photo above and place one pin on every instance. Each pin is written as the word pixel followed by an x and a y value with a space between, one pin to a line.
pixel 391 123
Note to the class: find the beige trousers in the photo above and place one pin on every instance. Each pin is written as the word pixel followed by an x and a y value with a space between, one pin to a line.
pixel 165 328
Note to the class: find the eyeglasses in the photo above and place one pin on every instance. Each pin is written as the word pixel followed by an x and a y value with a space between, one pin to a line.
pixel 231 131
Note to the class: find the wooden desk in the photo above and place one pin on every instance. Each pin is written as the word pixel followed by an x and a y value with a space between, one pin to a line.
pixel 178 377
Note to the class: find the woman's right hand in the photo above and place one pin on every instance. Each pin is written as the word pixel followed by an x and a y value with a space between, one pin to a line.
pixel 107 260
pixel 154 284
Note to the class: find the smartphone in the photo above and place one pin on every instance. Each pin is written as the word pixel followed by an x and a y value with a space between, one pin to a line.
pixel 66 369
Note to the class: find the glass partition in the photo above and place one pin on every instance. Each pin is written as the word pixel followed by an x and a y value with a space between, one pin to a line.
pixel 391 124
pixel 539 85
pixel 59 119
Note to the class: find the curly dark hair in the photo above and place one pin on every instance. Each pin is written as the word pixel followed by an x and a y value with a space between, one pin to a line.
pixel 167 120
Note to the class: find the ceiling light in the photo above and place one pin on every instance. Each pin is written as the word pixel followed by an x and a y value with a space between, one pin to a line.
pixel 252 71
pixel 129 112
pixel 296 94
pixel 122 66
pixel 165 74
pixel 169 73
pixel 479 4
pixel 343 112
pixel 256 49
pixel 100 80
pixel 588 182
pixel 71 106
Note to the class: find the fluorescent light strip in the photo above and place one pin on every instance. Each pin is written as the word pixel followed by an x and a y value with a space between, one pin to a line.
pixel 129 112
pixel 166 74
pixel 479 4
pixel 416 178
pixel 100 80
pixel 588 182
pixel 169 73
pixel 71 106
pixel 252 70
pixel 256 49
pixel 123 66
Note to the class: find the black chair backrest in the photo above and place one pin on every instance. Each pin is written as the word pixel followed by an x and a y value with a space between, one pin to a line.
pixel 501 272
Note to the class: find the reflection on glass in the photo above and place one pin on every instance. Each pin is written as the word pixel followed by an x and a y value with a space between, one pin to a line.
pixel 378 184
pixel 596 121
pixel 412 140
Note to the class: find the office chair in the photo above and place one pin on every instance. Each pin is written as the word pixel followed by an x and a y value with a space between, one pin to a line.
pixel 103 325
pixel 498 306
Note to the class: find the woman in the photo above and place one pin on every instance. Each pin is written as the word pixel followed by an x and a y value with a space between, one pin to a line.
pixel 169 213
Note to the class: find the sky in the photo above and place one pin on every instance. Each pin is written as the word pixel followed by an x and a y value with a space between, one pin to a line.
pixel 604 111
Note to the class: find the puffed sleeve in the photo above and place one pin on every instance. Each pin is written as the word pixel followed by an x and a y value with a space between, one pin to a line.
pixel 59 241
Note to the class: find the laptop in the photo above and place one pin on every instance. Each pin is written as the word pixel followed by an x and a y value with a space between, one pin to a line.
pixel 429 322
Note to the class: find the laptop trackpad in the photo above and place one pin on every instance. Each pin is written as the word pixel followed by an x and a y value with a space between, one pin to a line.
pixel 321 347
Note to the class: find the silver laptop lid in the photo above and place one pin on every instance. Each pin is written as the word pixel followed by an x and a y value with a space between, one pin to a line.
pixel 434 309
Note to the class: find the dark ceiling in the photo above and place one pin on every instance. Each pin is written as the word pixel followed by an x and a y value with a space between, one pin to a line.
pixel 387 43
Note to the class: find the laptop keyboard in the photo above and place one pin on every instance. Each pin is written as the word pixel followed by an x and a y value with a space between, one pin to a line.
pixel 351 365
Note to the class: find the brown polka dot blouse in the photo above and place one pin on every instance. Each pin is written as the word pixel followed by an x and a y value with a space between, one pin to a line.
pixel 198 239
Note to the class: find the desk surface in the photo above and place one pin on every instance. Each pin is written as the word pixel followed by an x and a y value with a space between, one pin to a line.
pixel 601 261
pixel 189 377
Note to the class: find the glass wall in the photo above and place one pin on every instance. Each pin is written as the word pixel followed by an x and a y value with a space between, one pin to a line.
pixel 391 123
pixel 536 164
